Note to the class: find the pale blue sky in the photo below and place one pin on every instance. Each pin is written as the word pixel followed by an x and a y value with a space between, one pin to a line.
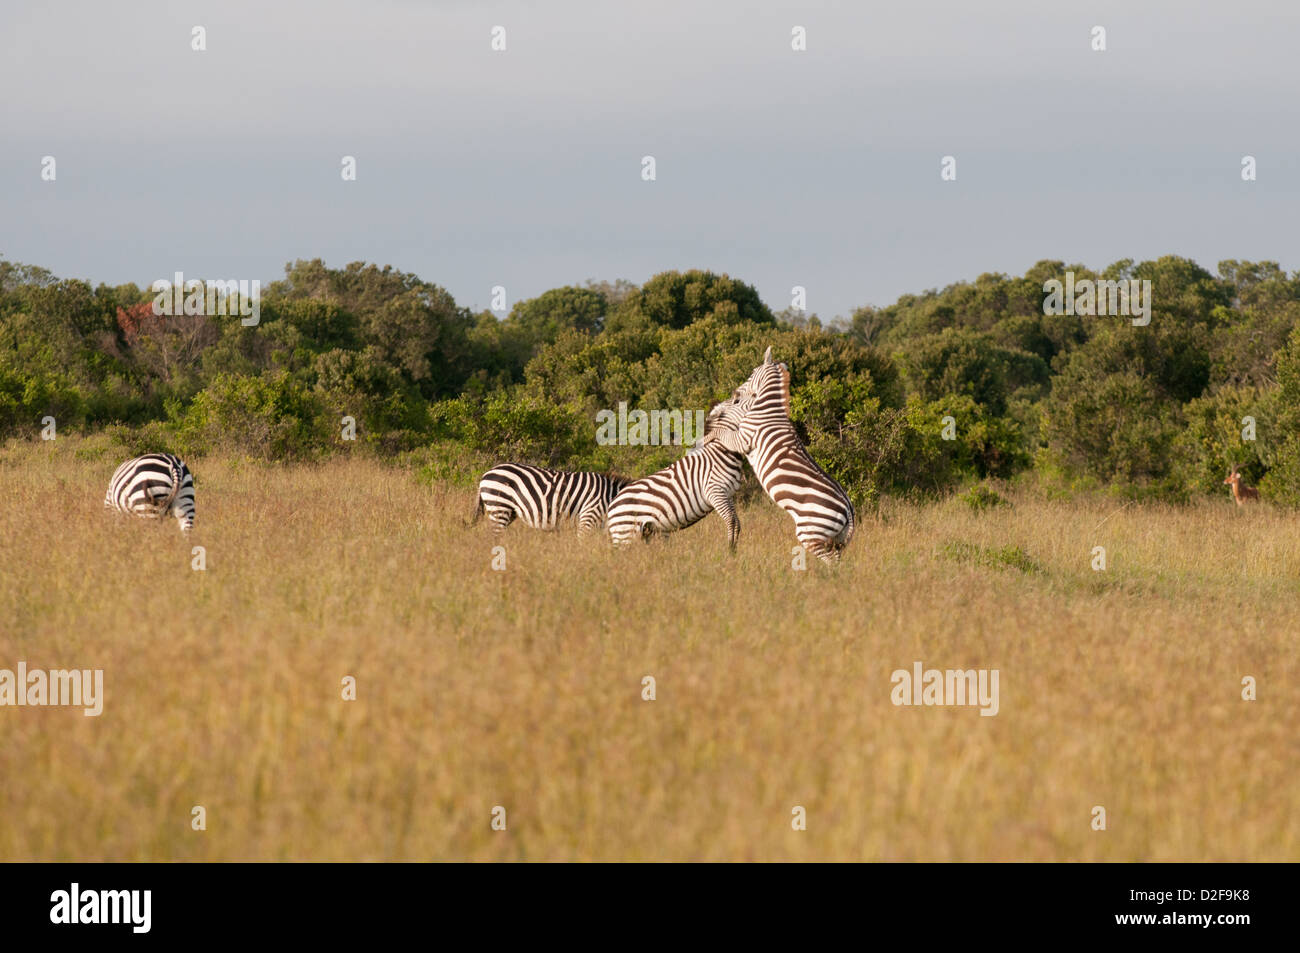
pixel 522 168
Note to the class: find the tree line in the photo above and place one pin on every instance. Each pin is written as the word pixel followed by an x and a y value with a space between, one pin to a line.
pixel 940 389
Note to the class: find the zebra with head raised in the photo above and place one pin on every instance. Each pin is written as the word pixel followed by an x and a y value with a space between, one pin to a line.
pixel 154 486
pixel 755 421
pixel 542 498
pixel 680 495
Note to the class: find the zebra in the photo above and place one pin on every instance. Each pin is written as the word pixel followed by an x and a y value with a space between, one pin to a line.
pixel 542 497
pixel 755 421
pixel 705 479
pixel 154 486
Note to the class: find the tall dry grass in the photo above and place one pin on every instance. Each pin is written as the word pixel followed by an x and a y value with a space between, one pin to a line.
pixel 522 688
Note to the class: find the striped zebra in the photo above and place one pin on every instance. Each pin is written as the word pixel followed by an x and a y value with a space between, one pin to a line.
pixel 755 421
pixel 705 479
pixel 154 486
pixel 542 497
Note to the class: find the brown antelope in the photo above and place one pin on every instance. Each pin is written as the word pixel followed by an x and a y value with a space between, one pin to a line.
pixel 1242 494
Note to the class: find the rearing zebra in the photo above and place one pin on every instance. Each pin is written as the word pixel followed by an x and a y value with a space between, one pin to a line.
pixel 542 497
pixel 755 421
pixel 153 486
pixel 705 479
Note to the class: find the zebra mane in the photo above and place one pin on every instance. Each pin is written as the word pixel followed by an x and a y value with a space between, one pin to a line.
pixel 783 373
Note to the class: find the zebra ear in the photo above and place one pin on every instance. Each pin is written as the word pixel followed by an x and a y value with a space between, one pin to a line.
pixel 767 355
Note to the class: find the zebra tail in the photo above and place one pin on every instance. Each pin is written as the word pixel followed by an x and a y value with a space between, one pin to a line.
pixel 177 476
pixel 478 509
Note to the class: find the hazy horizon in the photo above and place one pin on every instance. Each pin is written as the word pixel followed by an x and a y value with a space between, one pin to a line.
pixel 522 168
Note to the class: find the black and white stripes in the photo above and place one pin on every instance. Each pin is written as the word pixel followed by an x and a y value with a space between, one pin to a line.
pixel 154 486
pixel 682 494
pixel 542 498
pixel 756 421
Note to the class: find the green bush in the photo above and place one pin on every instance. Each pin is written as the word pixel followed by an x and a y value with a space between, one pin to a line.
pixel 1213 438
pixel 982 497
pixel 1114 426
pixel 971 364
pixel 271 417
pixel 517 427
pixel 872 449
pixel 28 397
pixel 677 299
pixel 1282 453
pixel 1004 557
pixel 156 436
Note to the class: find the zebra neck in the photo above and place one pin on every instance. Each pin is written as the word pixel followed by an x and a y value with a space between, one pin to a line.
pixel 775 452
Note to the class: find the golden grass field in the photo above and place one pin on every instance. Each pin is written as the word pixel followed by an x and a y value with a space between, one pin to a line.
pixel 522 688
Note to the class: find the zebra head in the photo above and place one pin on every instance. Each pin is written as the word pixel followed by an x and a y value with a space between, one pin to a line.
pixel 762 402
pixel 769 386
pixel 722 426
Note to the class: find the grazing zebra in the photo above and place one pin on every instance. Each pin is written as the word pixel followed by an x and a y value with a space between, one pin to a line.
pixel 755 421
pixel 542 497
pixel 153 486
pixel 705 479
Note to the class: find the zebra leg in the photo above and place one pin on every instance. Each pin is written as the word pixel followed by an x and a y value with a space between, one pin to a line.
pixel 500 519
pixel 726 510
pixel 822 548
pixel 840 541
pixel 589 521
pixel 145 509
